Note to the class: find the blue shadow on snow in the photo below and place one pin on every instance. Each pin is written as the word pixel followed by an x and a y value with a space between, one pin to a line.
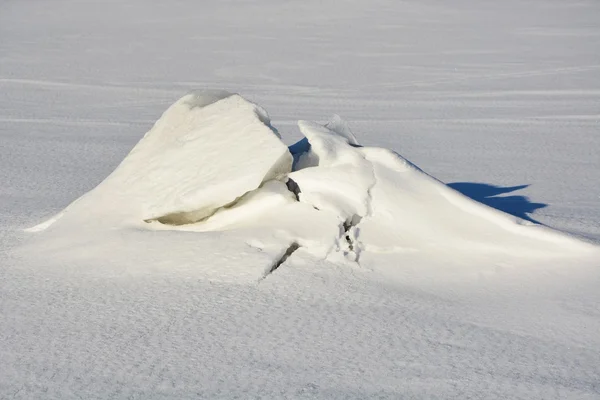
pixel 519 206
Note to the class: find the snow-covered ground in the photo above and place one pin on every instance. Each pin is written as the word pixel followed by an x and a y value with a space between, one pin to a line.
pixel 501 100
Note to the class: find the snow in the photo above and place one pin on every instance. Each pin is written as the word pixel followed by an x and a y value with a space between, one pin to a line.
pixel 212 162
pixel 402 209
pixel 396 287
pixel 207 150
pixel 331 174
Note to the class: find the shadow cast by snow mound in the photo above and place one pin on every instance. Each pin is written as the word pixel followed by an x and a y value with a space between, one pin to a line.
pixel 214 164
pixel 490 195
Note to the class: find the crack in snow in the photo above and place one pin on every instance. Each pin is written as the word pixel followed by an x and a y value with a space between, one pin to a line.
pixel 370 188
pixel 350 235
pixel 350 226
pixel 282 259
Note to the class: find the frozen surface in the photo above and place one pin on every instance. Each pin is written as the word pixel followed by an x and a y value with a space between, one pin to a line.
pixel 498 99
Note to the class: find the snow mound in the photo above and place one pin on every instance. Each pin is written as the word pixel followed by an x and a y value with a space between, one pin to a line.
pixel 385 204
pixel 213 163
pixel 207 150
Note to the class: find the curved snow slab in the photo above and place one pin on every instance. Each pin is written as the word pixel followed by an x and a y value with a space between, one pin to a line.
pixel 214 169
pixel 207 150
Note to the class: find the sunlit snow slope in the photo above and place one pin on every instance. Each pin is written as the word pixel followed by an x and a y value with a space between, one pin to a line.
pixel 343 272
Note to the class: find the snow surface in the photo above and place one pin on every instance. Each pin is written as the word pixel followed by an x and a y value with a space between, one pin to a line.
pixel 498 99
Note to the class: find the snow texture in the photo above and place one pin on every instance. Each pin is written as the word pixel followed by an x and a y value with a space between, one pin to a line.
pixel 192 172
pixel 215 262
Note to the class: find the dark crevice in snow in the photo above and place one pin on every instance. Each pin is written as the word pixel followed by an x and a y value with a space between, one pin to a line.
pixel 293 187
pixel 349 235
pixel 288 252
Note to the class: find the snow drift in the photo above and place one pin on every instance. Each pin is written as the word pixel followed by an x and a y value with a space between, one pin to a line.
pixel 205 151
pixel 214 163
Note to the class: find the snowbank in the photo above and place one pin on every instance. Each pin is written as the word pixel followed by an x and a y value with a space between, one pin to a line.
pixel 213 163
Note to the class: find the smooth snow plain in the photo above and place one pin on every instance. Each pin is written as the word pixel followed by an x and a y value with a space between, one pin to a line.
pixel 213 265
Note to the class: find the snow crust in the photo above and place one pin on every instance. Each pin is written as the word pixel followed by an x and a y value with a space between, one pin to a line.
pixel 498 99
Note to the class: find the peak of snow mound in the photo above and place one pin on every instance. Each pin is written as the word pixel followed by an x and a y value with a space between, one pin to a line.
pixel 213 164
pixel 341 128
pixel 203 98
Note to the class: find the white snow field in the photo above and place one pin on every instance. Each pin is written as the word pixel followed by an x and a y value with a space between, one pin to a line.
pixel 211 261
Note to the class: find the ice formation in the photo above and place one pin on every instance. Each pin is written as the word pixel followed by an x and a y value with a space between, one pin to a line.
pixel 207 149
pixel 214 163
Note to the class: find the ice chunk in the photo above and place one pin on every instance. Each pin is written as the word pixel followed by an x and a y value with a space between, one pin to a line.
pixel 207 150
